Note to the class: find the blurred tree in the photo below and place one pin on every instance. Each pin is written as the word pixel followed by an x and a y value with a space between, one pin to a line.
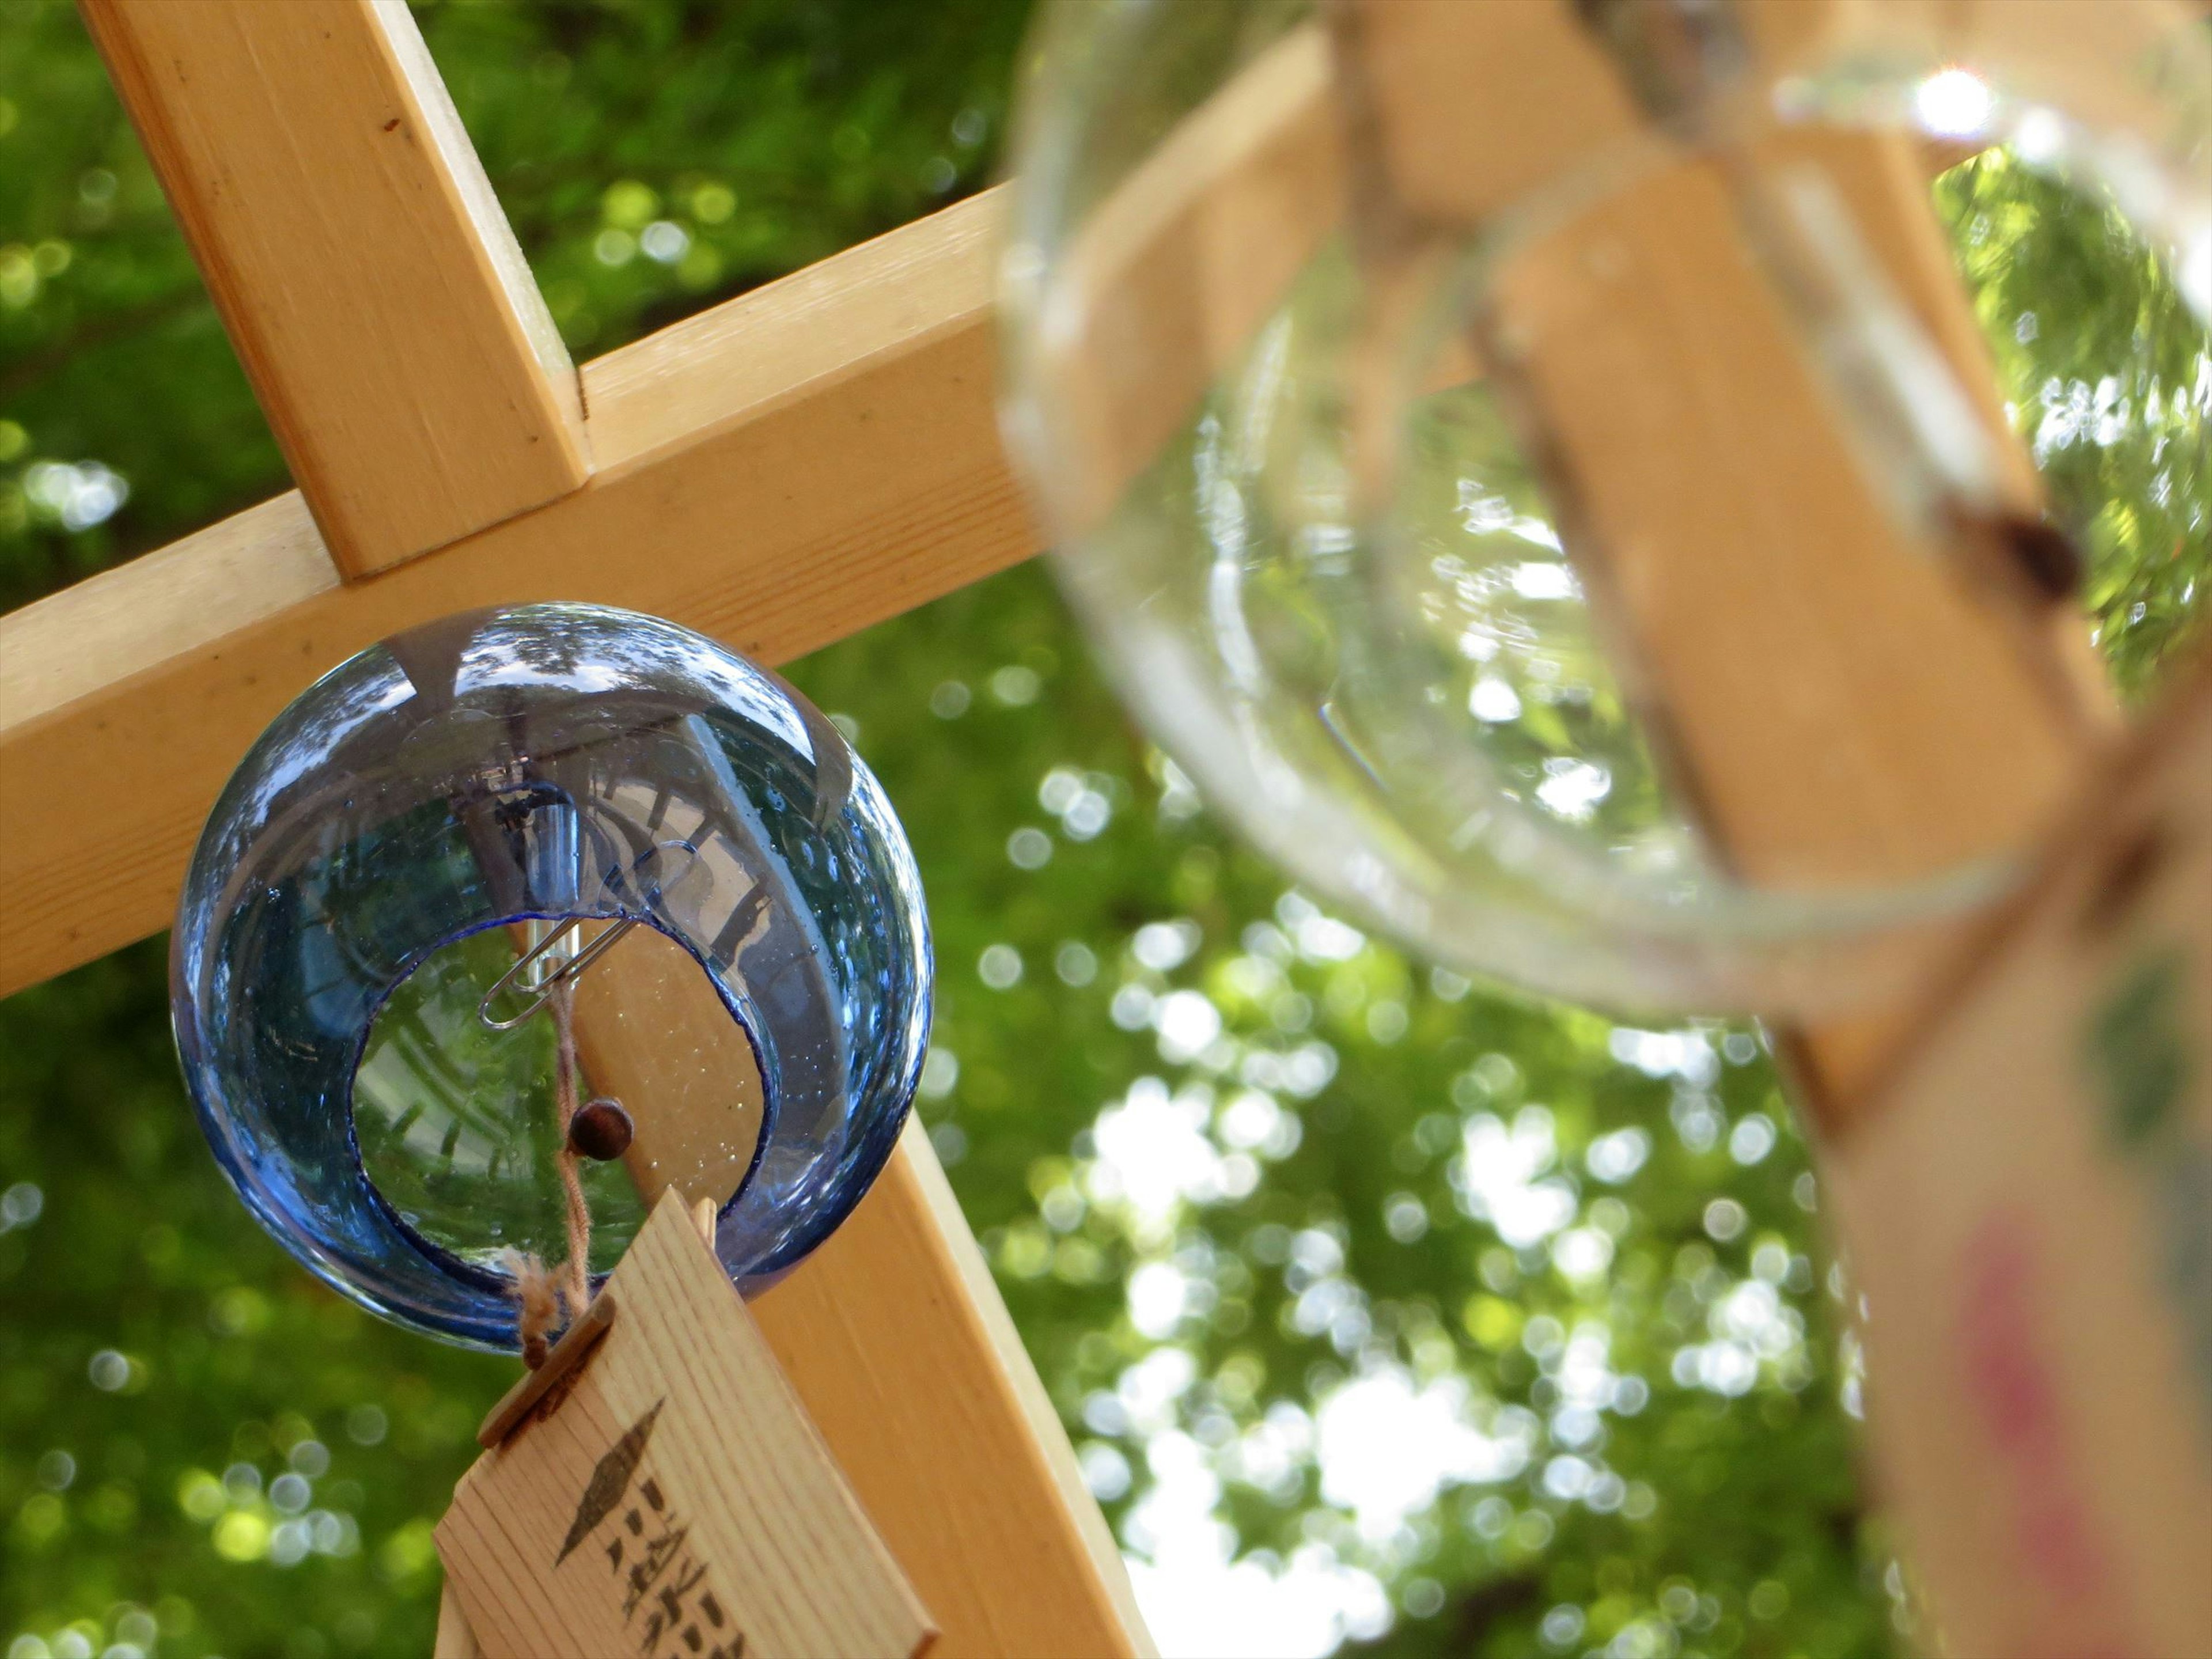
pixel 1380 1305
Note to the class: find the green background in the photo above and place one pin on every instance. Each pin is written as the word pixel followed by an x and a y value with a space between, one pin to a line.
pixel 203 1452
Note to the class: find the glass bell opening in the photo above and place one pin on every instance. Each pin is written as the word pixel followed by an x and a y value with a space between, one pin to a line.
pixel 532 1052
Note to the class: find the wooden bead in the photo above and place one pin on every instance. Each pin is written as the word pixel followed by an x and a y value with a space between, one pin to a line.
pixel 601 1130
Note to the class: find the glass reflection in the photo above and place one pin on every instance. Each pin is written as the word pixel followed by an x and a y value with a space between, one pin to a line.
pixel 415 826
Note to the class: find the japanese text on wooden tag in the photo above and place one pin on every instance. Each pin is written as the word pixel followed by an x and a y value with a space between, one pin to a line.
pixel 669 1500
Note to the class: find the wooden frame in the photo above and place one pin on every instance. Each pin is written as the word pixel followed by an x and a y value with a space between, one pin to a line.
pixel 406 360
pixel 802 461
pixel 1922 726
pixel 809 458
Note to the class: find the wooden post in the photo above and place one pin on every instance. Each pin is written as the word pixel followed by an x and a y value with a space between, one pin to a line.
pixel 898 1342
pixel 350 239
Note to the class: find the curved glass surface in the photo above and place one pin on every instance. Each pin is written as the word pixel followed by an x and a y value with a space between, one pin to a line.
pixel 1351 351
pixel 370 948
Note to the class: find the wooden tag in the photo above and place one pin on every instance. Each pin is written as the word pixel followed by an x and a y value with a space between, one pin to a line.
pixel 2026 1207
pixel 669 1500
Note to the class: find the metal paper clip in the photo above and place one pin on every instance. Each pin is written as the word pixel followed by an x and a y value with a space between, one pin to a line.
pixel 553 981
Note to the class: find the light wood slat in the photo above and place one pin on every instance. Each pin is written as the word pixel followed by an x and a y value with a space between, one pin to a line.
pixel 791 484
pixel 1173 274
pixel 898 1342
pixel 779 472
pixel 1550 101
pixel 455 1640
pixel 351 243
pixel 694 1105
pixel 893 1334
pixel 1844 711
pixel 1839 706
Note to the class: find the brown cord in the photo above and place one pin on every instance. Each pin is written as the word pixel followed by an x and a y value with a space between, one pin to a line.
pixel 541 1291
pixel 568 1095
pixel 540 1304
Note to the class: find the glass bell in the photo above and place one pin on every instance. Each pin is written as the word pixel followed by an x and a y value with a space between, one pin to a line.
pixel 519 919
pixel 1347 350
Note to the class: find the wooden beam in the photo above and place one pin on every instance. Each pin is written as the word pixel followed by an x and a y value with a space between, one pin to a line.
pixel 1838 704
pixel 694 1105
pixel 1841 709
pixel 779 472
pixel 897 1339
pixel 352 245
pixel 893 1334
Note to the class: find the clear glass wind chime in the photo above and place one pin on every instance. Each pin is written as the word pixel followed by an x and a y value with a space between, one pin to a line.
pixel 1290 294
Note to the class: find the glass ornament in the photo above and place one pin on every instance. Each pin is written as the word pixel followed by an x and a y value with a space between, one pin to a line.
pixel 546 864
pixel 1264 309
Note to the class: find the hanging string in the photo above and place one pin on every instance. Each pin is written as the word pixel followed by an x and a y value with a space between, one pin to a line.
pixel 541 1291
pixel 567 1095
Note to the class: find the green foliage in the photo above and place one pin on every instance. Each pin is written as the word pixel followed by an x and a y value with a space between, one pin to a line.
pixel 2106 374
pixel 1252 1183
pixel 653 158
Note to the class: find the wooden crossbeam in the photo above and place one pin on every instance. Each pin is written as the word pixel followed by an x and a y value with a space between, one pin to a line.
pixel 1169 278
pixel 778 472
pixel 376 296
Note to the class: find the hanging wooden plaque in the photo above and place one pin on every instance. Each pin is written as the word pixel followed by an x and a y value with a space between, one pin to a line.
pixel 2026 1209
pixel 668 1498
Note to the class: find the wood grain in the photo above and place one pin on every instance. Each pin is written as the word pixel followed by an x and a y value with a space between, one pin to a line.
pixel 1841 708
pixel 653 1032
pixel 350 242
pixel 571 1351
pixel 679 1435
pixel 779 472
pixel 895 1335
pixel 455 1640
